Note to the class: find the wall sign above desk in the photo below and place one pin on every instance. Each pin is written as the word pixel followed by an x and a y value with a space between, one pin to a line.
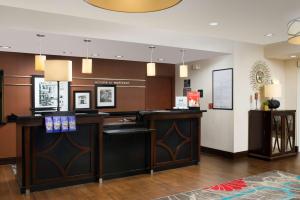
pixel 88 81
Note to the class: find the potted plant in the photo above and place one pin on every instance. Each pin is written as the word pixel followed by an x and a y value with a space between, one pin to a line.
pixel 265 105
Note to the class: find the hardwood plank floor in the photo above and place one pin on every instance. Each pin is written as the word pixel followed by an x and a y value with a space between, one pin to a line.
pixel 211 170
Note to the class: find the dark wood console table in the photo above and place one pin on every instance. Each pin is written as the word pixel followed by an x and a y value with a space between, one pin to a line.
pixel 272 134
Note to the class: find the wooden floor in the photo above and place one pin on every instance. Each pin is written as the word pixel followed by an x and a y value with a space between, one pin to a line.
pixel 212 170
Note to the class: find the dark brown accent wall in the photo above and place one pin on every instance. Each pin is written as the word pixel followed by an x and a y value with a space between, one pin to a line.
pixel 17 99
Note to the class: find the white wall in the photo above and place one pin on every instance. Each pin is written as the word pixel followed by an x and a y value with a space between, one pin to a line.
pixel 228 130
pixel 292 92
pixel 217 125
pixel 245 55
pixel 291 72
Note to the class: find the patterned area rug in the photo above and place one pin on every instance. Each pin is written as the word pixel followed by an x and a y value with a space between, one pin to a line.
pixel 275 185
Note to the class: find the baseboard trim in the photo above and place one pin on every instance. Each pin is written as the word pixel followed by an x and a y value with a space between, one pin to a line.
pixel 6 161
pixel 224 153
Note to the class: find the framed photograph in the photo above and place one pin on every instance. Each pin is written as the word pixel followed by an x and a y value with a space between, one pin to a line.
pixel 187 83
pixel 222 85
pixel 49 95
pixel 105 96
pixel 82 100
pixel 186 90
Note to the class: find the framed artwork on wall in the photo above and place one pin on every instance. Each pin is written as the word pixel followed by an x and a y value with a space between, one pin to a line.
pixel 64 95
pixel 222 89
pixel 82 100
pixel 49 95
pixel 105 96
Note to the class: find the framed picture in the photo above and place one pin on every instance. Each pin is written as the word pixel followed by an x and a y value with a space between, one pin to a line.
pixel 105 96
pixel 222 93
pixel 49 95
pixel 82 100
pixel 64 95
pixel 187 83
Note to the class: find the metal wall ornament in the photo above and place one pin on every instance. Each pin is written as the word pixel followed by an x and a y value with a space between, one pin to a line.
pixel 260 75
pixel 294 31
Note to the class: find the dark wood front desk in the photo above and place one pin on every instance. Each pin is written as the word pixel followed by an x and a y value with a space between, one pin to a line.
pixel 58 159
pixel 175 139
pixel 157 140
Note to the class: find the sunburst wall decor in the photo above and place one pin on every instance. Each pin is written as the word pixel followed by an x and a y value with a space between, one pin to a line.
pixel 260 75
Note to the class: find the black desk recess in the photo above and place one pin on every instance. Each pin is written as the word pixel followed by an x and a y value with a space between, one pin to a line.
pixel 127 131
pixel 126 152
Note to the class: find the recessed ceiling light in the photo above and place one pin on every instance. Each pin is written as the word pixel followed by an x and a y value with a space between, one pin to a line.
pixel 5 47
pixel 213 23
pixel 269 35
pixel 160 59
pixel 67 52
pixel 293 56
pixel 95 54
pixel 119 56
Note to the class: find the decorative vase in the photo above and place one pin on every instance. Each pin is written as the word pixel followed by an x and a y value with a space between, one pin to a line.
pixel 273 104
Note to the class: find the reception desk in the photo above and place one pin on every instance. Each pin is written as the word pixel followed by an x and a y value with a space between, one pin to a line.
pixel 46 160
pixel 175 139
pixel 155 140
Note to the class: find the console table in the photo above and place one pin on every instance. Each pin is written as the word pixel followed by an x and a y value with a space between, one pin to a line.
pixel 272 134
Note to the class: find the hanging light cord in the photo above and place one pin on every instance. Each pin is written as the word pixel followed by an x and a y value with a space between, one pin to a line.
pixel 151 54
pixel 40 46
pixel 40 36
pixel 87 50
pixel 182 57
pixel 87 41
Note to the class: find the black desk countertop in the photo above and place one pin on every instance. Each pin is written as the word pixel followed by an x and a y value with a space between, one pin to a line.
pixel 103 114
pixel 39 117
pixel 143 113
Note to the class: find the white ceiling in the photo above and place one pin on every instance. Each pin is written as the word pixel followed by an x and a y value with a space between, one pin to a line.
pixel 53 44
pixel 240 20
pixel 282 51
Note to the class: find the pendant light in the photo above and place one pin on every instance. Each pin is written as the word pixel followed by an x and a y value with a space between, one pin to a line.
pixel 294 31
pixel 40 59
pixel 87 63
pixel 151 68
pixel 134 6
pixel 183 69
pixel 58 70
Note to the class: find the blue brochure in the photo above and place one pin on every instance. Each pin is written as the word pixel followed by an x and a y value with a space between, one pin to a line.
pixel 56 124
pixel 49 124
pixel 64 124
pixel 72 123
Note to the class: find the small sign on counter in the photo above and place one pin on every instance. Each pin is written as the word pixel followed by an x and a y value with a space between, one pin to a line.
pixel 181 102
pixel 72 123
pixel 60 124
pixel 193 99
pixel 49 124
pixel 64 124
pixel 56 124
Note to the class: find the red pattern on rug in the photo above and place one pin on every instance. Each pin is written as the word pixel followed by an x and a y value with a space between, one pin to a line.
pixel 230 186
